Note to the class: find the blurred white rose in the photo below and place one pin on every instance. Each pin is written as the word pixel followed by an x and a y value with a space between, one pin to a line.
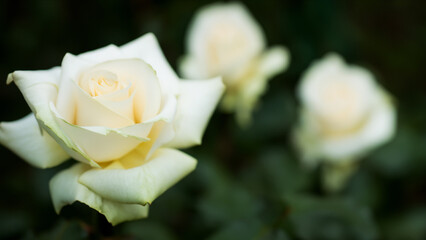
pixel 344 112
pixel 224 40
pixel 120 111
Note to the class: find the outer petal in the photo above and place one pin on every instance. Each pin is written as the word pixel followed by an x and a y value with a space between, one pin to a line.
pixel 40 89
pixel 196 103
pixel 140 184
pixel 274 61
pixel 65 189
pixel 148 49
pixel 107 53
pixel 27 140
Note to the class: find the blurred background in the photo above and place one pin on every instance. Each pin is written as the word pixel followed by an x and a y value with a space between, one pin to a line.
pixel 249 183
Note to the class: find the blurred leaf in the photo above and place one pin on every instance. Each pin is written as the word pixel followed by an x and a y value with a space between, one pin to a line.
pixel 273 116
pixel 224 199
pixel 240 230
pixel 12 223
pixel 146 229
pixel 66 230
pixel 275 173
pixel 364 188
pixel 403 155
pixel 408 226
pixel 329 218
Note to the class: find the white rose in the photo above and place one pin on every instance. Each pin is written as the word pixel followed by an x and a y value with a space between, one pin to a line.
pixel 120 111
pixel 225 40
pixel 344 112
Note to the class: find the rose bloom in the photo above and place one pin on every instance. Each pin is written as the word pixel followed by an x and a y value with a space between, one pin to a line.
pixel 344 112
pixel 224 39
pixel 119 111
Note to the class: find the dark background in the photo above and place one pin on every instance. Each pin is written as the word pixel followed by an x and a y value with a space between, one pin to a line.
pixel 248 183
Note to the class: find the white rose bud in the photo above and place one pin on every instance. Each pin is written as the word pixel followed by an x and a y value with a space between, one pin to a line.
pixel 119 111
pixel 224 39
pixel 344 112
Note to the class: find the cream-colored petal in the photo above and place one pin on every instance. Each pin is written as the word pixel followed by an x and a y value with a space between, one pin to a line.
pixel 274 61
pixel 153 128
pixel 105 144
pixel 144 84
pixel 66 102
pixel 30 142
pixel 379 128
pixel 90 112
pixel 162 133
pixel 117 96
pixel 107 53
pixel 196 103
pixel 39 89
pixel 76 106
pixel 124 108
pixel 99 143
pixel 168 110
pixel 148 49
pixel 143 184
pixel 66 189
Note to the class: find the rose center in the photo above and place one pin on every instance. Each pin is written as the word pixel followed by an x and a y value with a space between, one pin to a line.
pixel 341 107
pixel 101 82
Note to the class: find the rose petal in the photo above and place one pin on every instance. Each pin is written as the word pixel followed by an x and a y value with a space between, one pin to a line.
pixel 70 70
pixel 148 49
pixel 90 112
pixel 144 84
pixel 39 89
pixel 72 66
pixel 379 128
pixel 105 144
pixel 274 61
pixel 34 145
pixel 76 106
pixel 65 189
pixel 107 53
pixel 196 103
pixel 99 143
pixel 140 185
pixel 117 96
pixel 124 108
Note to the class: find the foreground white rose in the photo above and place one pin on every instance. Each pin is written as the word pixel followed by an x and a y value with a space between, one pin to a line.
pixel 344 112
pixel 225 40
pixel 119 111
